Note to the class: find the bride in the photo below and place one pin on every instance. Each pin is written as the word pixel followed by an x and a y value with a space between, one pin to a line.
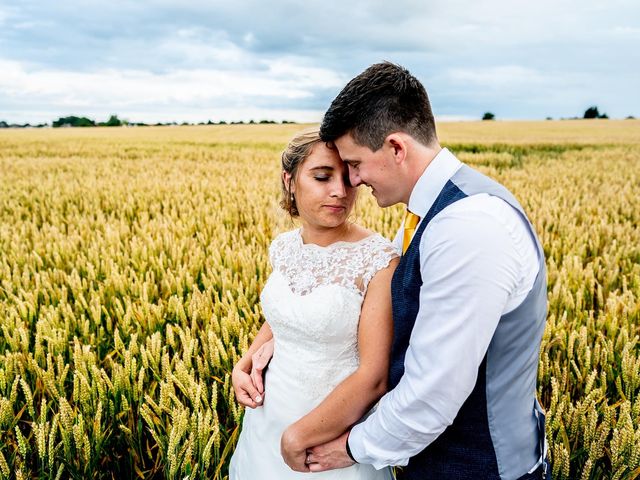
pixel 327 305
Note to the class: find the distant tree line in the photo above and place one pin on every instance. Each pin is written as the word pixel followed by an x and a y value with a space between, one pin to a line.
pixel 591 112
pixel 114 121
pixel 4 124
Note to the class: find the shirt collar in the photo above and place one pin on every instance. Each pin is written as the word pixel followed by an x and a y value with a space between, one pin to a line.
pixel 432 181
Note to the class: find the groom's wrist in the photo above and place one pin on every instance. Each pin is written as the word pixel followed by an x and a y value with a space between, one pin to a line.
pixel 348 449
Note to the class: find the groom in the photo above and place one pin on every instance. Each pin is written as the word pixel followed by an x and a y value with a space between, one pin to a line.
pixel 469 299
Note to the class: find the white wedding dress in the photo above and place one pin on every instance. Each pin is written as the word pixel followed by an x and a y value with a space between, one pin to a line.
pixel 312 302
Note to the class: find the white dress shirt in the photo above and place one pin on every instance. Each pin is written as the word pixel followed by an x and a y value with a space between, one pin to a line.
pixel 478 262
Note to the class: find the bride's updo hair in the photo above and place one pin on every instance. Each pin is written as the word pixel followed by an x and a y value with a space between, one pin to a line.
pixel 296 152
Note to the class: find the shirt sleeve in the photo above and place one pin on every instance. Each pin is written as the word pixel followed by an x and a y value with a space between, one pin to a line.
pixel 469 268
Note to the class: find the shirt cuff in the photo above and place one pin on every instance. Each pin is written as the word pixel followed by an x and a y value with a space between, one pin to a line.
pixel 349 449
pixel 356 442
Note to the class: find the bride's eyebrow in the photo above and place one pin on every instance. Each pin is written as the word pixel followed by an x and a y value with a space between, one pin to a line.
pixel 322 167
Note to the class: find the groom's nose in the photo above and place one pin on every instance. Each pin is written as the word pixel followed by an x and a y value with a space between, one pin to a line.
pixel 354 178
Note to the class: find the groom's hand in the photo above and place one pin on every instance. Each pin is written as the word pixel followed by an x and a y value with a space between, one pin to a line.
pixel 330 455
pixel 292 451
pixel 259 362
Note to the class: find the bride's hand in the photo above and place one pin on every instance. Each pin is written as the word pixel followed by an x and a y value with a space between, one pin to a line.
pixel 245 390
pixel 293 452
pixel 259 362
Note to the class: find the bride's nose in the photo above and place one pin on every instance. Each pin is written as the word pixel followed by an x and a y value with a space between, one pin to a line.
pixel 338 189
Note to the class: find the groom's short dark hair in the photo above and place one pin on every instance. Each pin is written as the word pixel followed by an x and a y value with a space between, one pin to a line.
pixel 383 99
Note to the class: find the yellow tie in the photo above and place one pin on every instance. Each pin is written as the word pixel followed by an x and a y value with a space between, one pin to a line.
pixel 410 222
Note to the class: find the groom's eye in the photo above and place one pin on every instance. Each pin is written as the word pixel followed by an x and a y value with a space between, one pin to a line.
pixel 346 179
pixel 321 178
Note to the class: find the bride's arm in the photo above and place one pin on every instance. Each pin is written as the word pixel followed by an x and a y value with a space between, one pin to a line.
pixel 355 395
pixel 247 392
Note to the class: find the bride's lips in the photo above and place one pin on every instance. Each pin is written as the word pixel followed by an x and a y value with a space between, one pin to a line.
pixel 335 208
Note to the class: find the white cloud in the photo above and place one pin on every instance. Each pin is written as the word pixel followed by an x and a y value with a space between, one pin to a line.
pixel 522 58
pixel 206 91
pixel 498 77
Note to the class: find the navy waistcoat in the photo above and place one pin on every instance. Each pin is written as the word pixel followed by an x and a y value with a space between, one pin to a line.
pixel 497 433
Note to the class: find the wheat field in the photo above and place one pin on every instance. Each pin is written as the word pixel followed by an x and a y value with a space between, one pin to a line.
pixel 131 261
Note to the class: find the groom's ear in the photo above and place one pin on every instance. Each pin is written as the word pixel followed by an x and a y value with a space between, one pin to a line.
pixel 397 147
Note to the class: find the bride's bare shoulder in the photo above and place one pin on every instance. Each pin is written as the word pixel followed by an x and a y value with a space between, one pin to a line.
pixel 358 232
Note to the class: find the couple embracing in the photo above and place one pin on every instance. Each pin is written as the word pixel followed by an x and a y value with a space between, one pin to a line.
pixel 420 353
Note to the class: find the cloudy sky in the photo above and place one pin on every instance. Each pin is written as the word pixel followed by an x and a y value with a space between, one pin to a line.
pixel 155 60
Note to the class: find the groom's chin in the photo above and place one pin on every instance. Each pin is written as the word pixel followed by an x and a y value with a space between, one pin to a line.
pixel 382 203
pixel 384 200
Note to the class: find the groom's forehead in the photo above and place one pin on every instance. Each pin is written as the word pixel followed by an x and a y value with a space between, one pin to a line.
pixel 346 140
pixel 349 149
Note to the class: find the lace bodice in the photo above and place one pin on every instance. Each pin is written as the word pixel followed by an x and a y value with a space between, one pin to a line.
pixel 312 302
pixel 348 264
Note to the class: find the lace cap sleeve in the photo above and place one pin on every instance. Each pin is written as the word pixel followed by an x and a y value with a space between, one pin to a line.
pixel 278 247
pixel 380 252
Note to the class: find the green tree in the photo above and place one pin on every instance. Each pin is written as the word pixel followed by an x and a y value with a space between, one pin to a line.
pixel 488 116
pixel 113 121
pixel 592 112
pixel 73 121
